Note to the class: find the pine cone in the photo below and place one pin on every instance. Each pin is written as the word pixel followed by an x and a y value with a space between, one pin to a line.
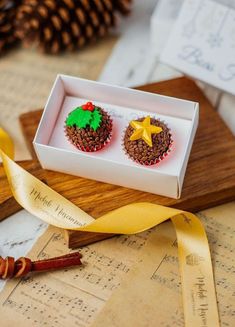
pixel 57 25
pixel 8 10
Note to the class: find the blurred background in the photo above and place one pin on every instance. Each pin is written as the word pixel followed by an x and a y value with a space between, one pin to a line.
pixel 113 41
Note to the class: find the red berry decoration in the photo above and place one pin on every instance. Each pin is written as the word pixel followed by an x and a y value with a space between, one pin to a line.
pixel 88 106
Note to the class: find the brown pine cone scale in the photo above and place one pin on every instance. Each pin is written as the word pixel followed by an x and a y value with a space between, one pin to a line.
pixel 57 25
pixel 8 9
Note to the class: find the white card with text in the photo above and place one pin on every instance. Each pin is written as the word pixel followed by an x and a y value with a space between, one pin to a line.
pixel 202 43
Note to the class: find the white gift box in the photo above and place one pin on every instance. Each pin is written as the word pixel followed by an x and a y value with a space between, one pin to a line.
pixel 111 164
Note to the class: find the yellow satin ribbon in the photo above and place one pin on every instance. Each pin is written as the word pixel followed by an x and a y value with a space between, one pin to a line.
pixel 199 297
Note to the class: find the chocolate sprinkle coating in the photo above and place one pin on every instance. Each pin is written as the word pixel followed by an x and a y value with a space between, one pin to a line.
pixel 141 152
pixel 88 140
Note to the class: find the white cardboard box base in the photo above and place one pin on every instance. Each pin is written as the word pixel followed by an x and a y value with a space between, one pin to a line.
pixel 111 164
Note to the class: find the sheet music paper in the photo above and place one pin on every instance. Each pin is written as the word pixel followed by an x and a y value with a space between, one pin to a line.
pixel 150 295
pixel 136 275
pixel 26 78
pixel 71 297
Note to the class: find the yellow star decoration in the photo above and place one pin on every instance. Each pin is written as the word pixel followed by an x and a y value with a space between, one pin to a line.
pixel 144 130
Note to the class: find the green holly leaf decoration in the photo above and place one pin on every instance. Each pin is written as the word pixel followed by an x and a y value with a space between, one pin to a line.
pixel 83 118
pixel 72 118
pixel 79 117
pixel 95 119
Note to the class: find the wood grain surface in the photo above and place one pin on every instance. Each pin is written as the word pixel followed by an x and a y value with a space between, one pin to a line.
pixel 8 204
pixel 209 180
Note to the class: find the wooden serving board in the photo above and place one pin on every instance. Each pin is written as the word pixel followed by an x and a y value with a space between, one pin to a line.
pixel 209 180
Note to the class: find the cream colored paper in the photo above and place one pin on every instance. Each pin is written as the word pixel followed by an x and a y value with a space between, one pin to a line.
pixel 26 76
pixel 150 294
pixel 70 297
pixel 150 291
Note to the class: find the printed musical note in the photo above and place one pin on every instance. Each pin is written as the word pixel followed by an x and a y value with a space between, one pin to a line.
pixel 155 281
pixel 75 297
pixel 72 296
